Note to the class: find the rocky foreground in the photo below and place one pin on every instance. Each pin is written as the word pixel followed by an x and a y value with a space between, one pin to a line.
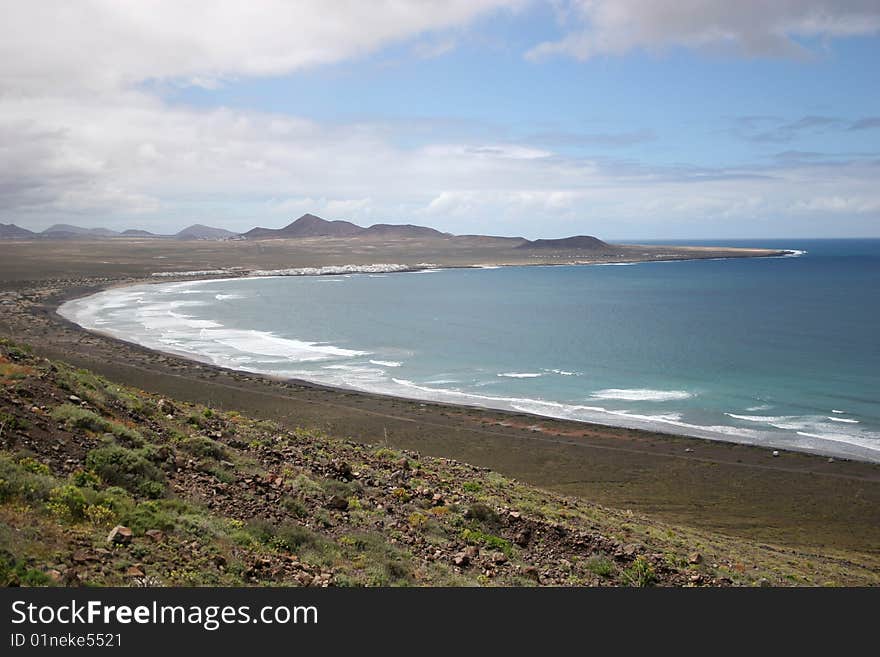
pixel 102 484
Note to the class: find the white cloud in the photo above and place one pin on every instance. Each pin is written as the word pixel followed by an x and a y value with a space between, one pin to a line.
pixel 100 44
pixel 748 27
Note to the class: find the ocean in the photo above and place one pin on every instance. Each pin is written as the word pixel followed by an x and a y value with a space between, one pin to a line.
pixel 781 352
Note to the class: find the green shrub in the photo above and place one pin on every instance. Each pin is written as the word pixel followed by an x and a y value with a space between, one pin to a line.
pixel 387 454
pixel 640 573
pixel 67 502
pixel 472 486
pixel 195 420
pixel 128 468
pixel 10 422
pixel 286 536
pixel 32 465
pixel 204 447
pixel 601 566
pixel 18 481
pixel 85 479
pixel 295 506
pixel 100 515
pixel 383 563
pixel 81 418
pixel 341 488
pixel 305 485
pixel 15 572
pixel 116 499
pixel 151 514
pixel 483 515
pixel 475 537
pixel 75 416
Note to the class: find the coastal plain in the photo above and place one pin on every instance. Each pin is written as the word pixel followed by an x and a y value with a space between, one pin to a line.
pixel 799 505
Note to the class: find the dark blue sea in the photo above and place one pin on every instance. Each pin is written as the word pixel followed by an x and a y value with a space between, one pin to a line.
pixel 782 352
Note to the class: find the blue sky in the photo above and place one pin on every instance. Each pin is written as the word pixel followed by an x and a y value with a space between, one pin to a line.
pixel 541 119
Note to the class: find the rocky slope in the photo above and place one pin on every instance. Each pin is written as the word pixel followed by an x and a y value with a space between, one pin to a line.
pixel 101 484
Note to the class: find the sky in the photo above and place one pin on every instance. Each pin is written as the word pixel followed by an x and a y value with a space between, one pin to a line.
pixel 625 119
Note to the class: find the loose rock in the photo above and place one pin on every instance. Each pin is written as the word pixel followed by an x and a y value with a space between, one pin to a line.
pixel 119 535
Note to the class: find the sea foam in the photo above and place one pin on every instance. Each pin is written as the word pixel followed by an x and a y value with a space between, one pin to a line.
pixel 642 394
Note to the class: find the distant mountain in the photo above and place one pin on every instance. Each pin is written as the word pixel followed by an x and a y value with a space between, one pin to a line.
pixel 401 230
pixel 138 233
pixel 310 225
pixel 63 231
pixel 13 232
pixel 201 232
pixel 579 243
pixel 307 225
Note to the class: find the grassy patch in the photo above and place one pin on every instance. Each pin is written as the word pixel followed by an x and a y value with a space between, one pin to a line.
pixel 640 573
pixel 15 572
pixel 130 469
pixel 286 536
pixel 602 567
pixel 23 481
pixel 81 418
pixel 10 422
pixel 476 537
pixel 204 447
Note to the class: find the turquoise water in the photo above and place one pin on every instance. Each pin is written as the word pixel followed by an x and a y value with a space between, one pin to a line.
pixel 782 352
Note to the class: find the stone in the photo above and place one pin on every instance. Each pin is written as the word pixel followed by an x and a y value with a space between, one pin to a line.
pixel 134 571
pixel 341 468
pixel 156 535
pixel 460 559
pixel 522 538
pixel 119 535
pixel 499 558
pixel 532 573
pixel 629 550
pixel 74 399
pixel 695 558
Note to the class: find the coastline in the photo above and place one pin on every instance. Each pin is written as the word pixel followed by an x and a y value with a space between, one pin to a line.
pixel 540 409
pixel 794 499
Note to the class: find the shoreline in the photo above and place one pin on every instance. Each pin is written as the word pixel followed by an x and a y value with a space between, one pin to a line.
pixel 636 422
pixel 796 499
